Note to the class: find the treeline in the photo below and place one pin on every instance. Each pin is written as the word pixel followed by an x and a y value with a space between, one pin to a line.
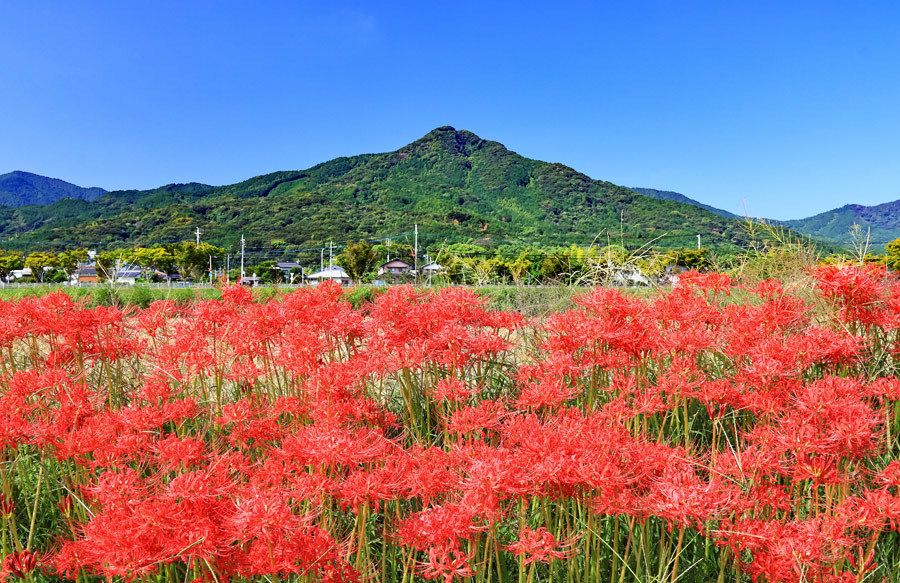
pixel 469 263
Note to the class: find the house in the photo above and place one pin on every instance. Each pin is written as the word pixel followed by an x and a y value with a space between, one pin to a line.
pixel 395 267
pixel 86 274
pixel 128 276
pixel 16 274
pixel 334 273
pixel 431 268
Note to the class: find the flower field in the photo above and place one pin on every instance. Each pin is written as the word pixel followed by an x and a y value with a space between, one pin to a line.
pixel 687 436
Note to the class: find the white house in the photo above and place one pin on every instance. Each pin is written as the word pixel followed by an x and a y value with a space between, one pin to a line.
pixel 334 273
pixel 127 276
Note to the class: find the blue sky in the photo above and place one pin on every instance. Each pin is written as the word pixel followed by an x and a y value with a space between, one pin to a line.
pixel 784 108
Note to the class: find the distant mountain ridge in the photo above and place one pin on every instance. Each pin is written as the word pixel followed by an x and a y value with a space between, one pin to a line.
pixel 882 221
pixel 19 188
pixel 678 197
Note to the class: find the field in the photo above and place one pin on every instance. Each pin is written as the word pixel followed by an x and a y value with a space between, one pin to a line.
pixel 711 432
pixel 531 301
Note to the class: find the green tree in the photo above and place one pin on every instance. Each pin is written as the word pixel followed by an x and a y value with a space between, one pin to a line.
pixel 892 257
pixel 10 262
pixel 41 263
pixel 268 272
pixel 691 258
pixel 518 268
pixel 357 259
pixel 154 258
pixel 69 260
pixel 194 260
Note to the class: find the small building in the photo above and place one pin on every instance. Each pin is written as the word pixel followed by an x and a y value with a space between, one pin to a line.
pixel 395 267
pixel 251 280
pixel 17 274
pixel 432 268
pixel 334 273
pixel 128 276
pixel 87 275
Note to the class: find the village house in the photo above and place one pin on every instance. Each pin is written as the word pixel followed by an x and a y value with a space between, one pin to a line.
pixel 395 267
pixel 128 276
pixel 86 275
pixel 334 273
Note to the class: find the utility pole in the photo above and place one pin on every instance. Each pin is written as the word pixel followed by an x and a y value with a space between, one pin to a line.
pixel 198 232
pixel 227 268
pixel 389 249
pixel 322 259
pixel 242 256
pixel 698 241
pixel 330 255
pixel 416 252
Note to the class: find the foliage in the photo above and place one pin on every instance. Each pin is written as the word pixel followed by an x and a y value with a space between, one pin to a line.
pixel 892 258
pixel 195 260
pixel 40 263
pixel 10 262
pixel 357 259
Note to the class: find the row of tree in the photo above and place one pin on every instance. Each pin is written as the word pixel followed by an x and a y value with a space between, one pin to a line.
pixel 186 258
pixel 462 263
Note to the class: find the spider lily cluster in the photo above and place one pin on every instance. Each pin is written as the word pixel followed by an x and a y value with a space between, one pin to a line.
pixel 689 436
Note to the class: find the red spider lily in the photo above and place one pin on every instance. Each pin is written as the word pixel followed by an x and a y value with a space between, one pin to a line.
pixel 860 292
pixel 540 545
pixel 447 563
pixel 19 563
pixel 452 390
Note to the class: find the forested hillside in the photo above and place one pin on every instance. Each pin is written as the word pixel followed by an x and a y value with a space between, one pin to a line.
pixel 451 183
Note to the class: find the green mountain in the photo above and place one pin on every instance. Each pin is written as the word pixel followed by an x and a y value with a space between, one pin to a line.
pixel 678 197
pixel 882 220
pixel 451 183
pixel 23 188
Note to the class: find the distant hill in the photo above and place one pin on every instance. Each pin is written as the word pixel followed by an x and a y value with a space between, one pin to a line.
pixel 23 188
pixel 452 183
pixel 678 197
pixel 834 225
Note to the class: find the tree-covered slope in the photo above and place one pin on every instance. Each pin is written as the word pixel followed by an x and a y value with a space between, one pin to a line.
pixel 24 188
pixel 834 225
pixel 451 183
pixel 678 197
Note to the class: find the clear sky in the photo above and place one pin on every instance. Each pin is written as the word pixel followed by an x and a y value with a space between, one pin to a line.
pixel 782 108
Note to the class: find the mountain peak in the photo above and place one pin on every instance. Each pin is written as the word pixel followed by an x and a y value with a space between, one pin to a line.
pixel 448 139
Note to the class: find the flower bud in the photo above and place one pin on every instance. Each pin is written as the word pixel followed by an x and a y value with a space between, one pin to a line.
pixel 21 563
pixel 7 506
